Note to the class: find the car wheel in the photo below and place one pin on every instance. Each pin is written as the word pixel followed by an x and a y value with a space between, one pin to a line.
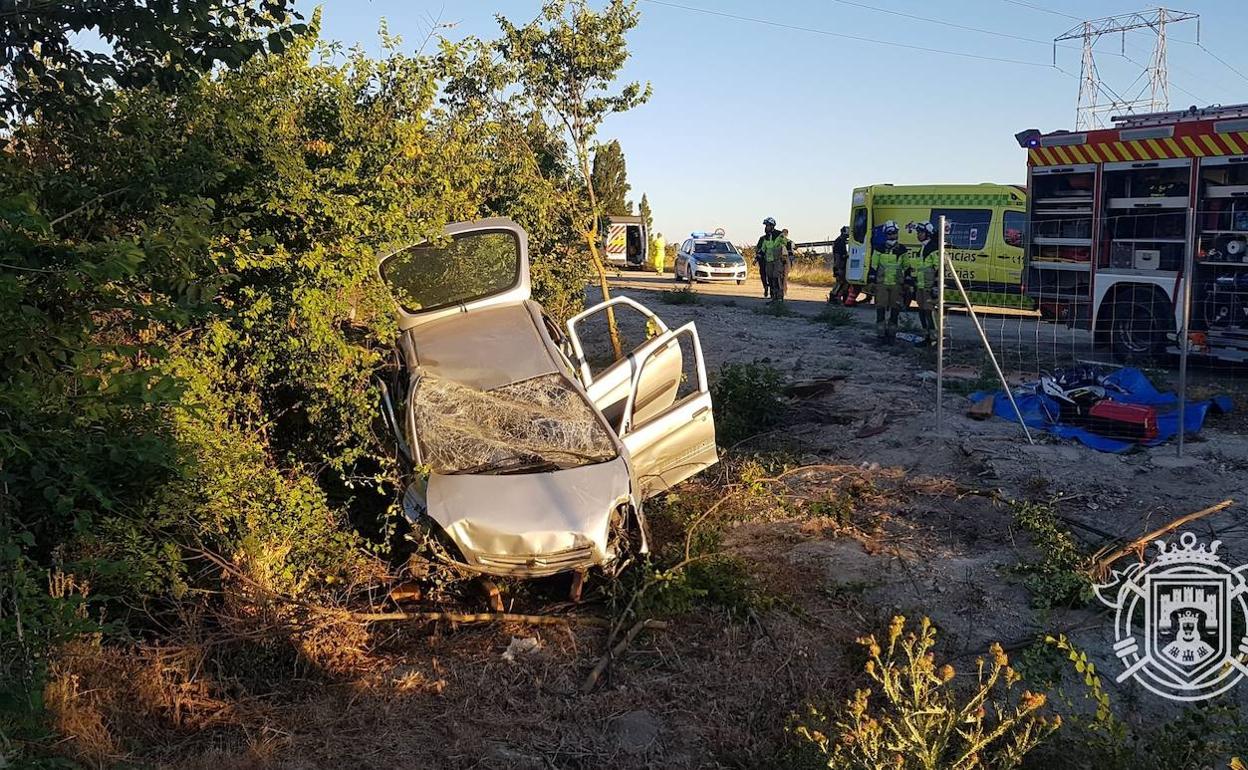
pixel 740 281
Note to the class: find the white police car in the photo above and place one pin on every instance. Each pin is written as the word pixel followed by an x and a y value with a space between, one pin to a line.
pixel 709 257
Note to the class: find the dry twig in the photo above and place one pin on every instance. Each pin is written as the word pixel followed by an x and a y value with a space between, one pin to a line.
pixel 1102 561
pixel 618 650
pixel 481 617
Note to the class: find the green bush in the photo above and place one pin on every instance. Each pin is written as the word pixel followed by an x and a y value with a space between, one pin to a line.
pixel 1057 576
pixel 747 401
pixel 191 321
pixel 835 317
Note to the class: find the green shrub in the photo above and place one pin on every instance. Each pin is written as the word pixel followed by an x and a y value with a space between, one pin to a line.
pixel 718 580
pixel 921 718
pixel 835 317
pixel 747 401
pixel 191 321
pixel 1057 576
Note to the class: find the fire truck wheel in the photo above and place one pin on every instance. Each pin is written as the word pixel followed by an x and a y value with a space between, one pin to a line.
pixel 1137 330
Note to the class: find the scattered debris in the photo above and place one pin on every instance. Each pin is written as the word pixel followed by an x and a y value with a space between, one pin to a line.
pixel 982 409
pixel 521 645
pixel 814 387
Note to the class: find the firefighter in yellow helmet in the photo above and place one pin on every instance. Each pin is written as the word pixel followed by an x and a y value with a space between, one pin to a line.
pixel 887 271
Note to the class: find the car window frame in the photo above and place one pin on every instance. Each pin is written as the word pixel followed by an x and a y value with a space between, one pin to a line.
pixel 854 233
pixel 986 232
pixel 1022 228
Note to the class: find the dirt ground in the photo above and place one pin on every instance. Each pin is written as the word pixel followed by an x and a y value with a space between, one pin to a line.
pixel 933 538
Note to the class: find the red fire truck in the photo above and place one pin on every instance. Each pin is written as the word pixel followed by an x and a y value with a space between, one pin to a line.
pixel 1124 222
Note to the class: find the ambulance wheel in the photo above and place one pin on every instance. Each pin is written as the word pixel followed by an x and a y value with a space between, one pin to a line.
pixel 1137 326
pixel 739 282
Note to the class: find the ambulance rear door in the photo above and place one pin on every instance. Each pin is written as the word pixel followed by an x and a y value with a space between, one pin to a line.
pixel 859 235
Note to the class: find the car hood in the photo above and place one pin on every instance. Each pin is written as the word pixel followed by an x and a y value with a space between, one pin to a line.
pixel 485 348
pixel 515 518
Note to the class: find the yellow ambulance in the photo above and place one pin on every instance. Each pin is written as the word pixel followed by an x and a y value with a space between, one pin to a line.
pixel 984 227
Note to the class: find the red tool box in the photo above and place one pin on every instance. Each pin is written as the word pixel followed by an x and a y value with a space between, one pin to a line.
pixel 1132 422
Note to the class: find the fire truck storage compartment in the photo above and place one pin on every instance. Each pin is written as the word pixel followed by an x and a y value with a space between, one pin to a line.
pixel 1220 288
pixel 1061 217
pixel 1222 220
pixel 1145 215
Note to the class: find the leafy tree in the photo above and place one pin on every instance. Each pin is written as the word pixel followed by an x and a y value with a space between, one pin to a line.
pixel 190 320
pixel 646 215
pixel 610 178
pixel 568 60
pixel 164 43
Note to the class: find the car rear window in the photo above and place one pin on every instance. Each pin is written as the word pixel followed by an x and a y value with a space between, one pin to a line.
pixel 473 266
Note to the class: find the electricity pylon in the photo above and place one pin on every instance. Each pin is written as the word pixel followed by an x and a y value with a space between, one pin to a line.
pixel 1096 98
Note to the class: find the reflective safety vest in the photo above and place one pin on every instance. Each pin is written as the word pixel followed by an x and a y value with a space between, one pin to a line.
pixel 773 247
pixel 888 267
pixel 925 265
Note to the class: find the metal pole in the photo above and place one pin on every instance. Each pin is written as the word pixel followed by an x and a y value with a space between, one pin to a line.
pixel 1188 267
pixel 970 309
pixel 940 335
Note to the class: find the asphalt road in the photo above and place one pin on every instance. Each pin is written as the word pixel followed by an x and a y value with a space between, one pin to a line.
pixel 1020 340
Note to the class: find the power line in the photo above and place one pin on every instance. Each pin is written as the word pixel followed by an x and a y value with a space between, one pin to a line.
pixel 1225 63
pixel 941 22
pixel 815 31
pixel 1043 9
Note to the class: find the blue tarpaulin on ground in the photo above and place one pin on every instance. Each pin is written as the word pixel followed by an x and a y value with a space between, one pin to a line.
pixel 1040 412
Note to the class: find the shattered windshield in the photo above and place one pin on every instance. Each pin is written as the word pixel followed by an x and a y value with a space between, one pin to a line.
pixel 532 426
pixel 472 266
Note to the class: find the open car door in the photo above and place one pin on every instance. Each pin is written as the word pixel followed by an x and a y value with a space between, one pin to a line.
pixel 671 444
pixel 611 387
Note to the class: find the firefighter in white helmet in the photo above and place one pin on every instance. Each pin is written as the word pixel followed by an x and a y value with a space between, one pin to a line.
pixel 888 266
pixel 925 267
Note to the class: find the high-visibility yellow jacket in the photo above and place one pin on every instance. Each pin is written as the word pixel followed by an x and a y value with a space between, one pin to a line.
pixel 774 246
pixel 925 264
pixel 888 267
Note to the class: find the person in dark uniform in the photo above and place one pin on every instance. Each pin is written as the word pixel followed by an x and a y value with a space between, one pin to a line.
pixel 769 229
pixel 840 261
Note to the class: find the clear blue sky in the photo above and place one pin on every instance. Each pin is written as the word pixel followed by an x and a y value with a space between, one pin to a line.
pixel 749 120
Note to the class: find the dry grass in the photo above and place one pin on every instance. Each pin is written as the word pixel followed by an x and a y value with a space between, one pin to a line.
pixel 279 683
pixel 811 274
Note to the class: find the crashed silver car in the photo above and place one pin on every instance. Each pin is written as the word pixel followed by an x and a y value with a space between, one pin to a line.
pixel 526 461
